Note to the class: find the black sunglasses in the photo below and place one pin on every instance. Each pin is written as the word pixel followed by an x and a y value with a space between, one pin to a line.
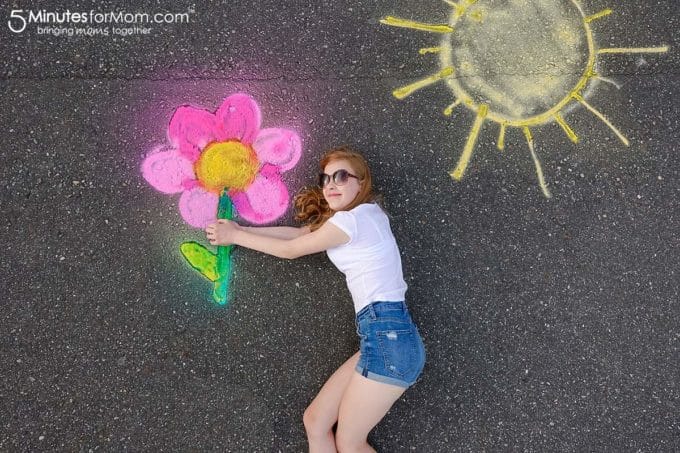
pixel 340 177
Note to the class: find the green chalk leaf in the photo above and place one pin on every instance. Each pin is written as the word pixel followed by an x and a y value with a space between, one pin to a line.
pixel 201 259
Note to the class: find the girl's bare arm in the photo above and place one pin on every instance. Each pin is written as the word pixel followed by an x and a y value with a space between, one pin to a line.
pixel 280 232
pixel 226 232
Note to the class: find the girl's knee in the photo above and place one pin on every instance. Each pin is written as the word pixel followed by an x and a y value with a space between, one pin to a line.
pixel 315 425
pixel 308 418
pixel 344 443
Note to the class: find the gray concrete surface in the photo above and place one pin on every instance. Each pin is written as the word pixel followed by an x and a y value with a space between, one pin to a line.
pixel 550 325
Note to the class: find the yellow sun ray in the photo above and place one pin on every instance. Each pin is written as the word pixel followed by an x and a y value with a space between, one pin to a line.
pixel 609 81
pixel 568 130
pixel 401 93
pixel 501 136
pixel 457 174
pixel 660 49
pixel 458 8
pixel 405 23
pixel 599 15
pixel 449 110
pixel 426 50
pixel 539 170
pixel 603 118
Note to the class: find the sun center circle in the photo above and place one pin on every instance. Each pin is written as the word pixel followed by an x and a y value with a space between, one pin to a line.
pixel 521 58
pixel 230 165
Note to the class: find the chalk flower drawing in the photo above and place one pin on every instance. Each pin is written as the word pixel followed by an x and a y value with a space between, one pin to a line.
pixel 518 63
pixel 221 161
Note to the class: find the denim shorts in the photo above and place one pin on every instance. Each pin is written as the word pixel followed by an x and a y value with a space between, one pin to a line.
pixel 391 350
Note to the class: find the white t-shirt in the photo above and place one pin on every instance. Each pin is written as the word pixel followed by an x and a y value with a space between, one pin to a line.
pixel 370 260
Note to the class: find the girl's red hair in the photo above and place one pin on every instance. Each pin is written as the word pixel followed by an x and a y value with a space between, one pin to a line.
pixel 310 205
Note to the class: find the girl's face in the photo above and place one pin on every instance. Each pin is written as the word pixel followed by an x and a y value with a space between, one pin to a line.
pixel 340 194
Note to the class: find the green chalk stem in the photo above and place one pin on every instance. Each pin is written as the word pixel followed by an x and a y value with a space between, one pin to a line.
pixel 216 267
pixel 225 210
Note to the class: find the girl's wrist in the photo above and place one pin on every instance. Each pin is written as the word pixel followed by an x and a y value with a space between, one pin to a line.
pixel 237 235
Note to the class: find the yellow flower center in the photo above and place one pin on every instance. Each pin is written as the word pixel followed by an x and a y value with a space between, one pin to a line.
pixel 230 165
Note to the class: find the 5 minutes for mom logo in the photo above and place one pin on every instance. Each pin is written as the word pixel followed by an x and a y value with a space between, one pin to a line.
pixel 92 22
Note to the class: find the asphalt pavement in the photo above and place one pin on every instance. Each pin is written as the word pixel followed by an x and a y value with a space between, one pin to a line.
pixel 551 324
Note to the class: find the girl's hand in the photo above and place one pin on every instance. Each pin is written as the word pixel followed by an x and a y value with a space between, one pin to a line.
pixel 222 232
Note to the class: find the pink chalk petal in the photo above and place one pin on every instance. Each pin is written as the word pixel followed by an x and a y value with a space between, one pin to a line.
pixel 198 207
pixel 265 200
pixel 238 118
pixel 191 129
pixel 280 147
pixel 167 171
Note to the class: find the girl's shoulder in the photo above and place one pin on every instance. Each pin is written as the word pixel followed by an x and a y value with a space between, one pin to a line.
pixel 367 207
pixel 369 210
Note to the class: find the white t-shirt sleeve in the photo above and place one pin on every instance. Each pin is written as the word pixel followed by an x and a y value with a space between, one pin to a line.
pixel 347 222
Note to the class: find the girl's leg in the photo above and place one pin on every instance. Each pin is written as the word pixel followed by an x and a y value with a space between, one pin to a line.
pixel 322 413
pixel 364 403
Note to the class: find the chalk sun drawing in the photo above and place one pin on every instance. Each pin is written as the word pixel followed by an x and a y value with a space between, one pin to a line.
pixel 518 63
pixel 220 161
